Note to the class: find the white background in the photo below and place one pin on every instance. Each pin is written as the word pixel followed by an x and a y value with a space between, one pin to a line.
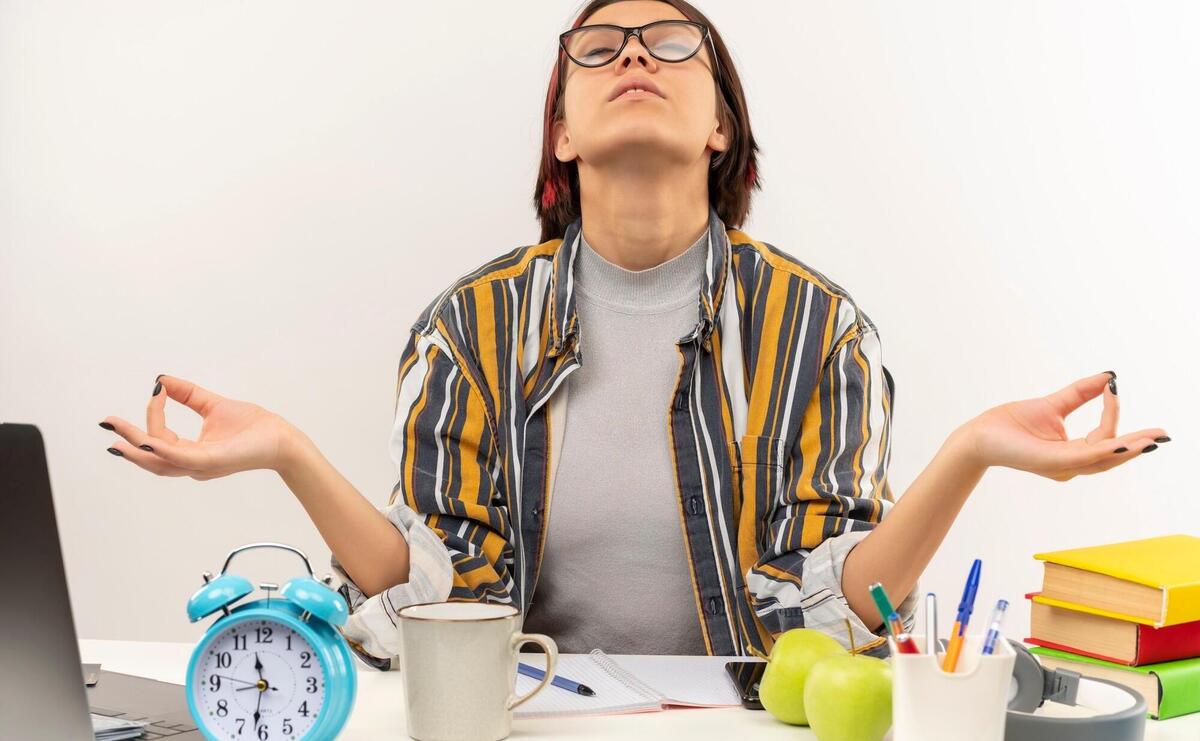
pixel 261 196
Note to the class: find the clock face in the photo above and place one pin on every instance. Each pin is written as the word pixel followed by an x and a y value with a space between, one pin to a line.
pixel 259 680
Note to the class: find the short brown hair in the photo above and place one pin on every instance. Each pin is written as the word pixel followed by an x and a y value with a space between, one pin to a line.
pixel 730 181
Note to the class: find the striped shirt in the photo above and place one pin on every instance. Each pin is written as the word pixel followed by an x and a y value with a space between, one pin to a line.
pixel 779 431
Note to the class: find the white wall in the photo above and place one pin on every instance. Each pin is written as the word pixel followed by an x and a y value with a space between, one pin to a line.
pixel 261 196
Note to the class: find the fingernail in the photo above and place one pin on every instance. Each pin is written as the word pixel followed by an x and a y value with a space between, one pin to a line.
pixel 1111 373
pixel 1149 447
pixel 159 376
pixel 1112 385
pixel 1121 449
pixel 1163 439
pixel 107 426
pixel 158 387
pixel 114 451
pixel 146 447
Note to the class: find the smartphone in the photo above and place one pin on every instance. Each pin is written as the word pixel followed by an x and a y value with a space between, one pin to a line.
pixel 746 675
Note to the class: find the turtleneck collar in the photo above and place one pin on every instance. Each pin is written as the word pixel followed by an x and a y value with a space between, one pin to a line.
pixel 668 285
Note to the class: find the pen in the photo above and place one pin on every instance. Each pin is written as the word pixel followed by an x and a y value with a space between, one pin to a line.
pixel 931 634
pixel 989 643
pixel 886 611
pixel 557 681
pixel 906 644
pixel 964 616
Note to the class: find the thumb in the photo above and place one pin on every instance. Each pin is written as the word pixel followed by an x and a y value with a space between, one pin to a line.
pixel 1071 397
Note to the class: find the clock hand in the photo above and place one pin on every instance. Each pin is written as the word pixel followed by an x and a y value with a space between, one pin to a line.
pixel 235 679
pixel 258 664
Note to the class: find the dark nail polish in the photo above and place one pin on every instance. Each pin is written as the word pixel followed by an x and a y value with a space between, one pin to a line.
pixel 114 451
pixel 107 426
pixel 1149 447
pixel 1121 449
pixel 157 388
pixel 1163 439
pixel 159 376
pixel 146 447
pixel 1112 385
pixel 1111 373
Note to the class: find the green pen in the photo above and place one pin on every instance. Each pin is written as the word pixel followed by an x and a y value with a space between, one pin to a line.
pixel 886 611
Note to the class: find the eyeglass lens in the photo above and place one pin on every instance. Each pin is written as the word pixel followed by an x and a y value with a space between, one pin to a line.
pixel 669 42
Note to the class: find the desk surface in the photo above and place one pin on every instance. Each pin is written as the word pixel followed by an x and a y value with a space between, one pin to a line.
pixel 379 709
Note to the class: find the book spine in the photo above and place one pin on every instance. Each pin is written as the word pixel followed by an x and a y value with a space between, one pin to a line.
pixel 1172 643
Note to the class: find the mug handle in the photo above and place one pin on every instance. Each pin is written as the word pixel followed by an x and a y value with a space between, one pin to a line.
pixel 550 647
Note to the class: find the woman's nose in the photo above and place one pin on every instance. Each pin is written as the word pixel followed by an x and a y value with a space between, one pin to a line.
pixel 635 52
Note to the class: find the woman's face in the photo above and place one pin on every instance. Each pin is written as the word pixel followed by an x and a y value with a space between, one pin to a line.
pixel 679 126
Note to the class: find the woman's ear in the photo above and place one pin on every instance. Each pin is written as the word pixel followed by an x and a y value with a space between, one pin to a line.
pixel 717 140
pixel 563 150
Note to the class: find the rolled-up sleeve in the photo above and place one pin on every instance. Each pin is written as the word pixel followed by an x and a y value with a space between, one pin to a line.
pixel 836 492
pixel 373 628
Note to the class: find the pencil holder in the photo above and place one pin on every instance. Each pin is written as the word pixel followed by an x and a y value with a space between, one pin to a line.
pixel 929 704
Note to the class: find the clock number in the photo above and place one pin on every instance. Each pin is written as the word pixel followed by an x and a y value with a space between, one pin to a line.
pixel 263 635
pixel 289 643
pixel 303 709
pixel 305 660
pixel 222 708
pixel 224 660
pixel 312 685
pixel 262 733
pixel 214 683
pixel 241 724
pixel 239 642
pixel 287 725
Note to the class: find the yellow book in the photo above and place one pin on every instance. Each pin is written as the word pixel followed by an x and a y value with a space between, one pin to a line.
pixel 1153 581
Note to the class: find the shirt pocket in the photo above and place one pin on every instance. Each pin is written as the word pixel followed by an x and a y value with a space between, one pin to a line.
pixel 758 477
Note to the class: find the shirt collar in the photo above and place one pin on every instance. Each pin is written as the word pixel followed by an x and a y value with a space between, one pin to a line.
pixel 564 323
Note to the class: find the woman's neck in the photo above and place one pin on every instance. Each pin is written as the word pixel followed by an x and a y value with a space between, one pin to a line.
pixel 639 219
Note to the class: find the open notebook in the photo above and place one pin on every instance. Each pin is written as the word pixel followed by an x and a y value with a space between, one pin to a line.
pixel 629 684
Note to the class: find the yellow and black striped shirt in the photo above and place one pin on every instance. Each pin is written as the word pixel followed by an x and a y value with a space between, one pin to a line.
pixel 779 432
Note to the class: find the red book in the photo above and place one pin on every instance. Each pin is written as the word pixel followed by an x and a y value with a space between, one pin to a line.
pixel 1120 641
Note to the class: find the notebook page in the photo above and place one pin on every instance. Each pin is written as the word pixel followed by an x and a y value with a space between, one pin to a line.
pixel 613 695
pixel 684 680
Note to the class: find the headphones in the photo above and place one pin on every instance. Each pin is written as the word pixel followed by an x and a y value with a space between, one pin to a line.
pixel 1119 712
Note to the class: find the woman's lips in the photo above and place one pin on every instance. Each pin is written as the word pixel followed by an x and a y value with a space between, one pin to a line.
pixel 635 95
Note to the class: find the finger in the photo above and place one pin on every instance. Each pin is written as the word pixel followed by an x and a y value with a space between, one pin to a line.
pixel 156 414
pixel 1085 455
pixel 131 432
pixel 1069 398
pixel 147 460
pixel 196 398
pixel 1110 414
pixel 187 454
pixel 1135 449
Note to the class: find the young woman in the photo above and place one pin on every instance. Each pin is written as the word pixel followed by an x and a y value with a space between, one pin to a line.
pixel 650 432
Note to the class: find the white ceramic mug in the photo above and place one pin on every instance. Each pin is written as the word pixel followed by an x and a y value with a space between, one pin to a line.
pixel 460 669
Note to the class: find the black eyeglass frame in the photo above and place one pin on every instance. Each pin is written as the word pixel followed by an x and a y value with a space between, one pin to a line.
pixel 637 31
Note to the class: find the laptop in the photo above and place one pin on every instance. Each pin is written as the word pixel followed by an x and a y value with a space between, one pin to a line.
pixel 42 689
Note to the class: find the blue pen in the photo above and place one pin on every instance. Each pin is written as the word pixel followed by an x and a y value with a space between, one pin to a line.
pixel 989 643
pixel 950 662
pixel 557 681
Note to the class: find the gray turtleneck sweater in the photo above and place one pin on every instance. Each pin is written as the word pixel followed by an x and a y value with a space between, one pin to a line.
pixel 615 572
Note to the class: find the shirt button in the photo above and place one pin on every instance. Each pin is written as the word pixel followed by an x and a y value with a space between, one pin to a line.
pixel 693 505
pixel 536 512
pixel 714 605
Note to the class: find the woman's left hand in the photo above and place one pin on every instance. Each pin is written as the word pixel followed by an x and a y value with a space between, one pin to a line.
pixel 1029 434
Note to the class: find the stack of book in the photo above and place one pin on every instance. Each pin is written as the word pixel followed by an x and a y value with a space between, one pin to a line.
pixel 1128 612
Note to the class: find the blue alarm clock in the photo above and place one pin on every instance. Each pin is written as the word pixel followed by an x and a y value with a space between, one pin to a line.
pixel 270 668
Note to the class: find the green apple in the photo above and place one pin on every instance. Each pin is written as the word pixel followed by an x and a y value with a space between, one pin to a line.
pixel 793 655
pixel 849 698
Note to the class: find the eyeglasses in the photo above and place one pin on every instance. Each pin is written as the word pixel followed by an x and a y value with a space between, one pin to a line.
pixel 667 41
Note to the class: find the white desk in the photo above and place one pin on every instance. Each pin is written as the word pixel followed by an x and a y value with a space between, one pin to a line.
pixel 379 708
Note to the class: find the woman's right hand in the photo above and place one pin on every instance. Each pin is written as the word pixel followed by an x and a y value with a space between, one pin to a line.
pixel 235 436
